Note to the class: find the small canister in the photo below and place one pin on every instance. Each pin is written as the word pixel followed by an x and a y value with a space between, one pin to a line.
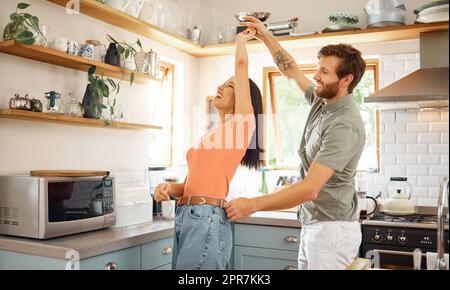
pixel 36 105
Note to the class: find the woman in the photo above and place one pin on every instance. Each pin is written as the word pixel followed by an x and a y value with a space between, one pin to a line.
pixel 203 238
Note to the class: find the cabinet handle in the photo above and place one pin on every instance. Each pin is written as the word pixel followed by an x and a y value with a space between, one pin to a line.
pixel 167 250
pixel 291 239
pixel 290 268
pixel 111 266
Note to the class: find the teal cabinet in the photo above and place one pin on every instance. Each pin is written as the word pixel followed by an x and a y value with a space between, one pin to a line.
pixel 127 259
pixel 265 247
pixel 249 258
pixel 157 254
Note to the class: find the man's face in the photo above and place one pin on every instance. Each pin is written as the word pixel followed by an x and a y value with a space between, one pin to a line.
pixel 328 82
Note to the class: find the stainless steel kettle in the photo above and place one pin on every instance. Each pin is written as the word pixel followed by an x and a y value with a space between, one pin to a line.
pixel 383 13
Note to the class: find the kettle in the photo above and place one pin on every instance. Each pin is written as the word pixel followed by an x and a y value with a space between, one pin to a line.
pixel 383 13
pixel 399 203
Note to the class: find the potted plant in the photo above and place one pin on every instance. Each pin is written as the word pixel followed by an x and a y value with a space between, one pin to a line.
pixel 126 52
pixel 23 27
pixel 98 89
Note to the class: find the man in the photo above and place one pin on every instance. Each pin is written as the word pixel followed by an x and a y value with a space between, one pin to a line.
pixel 330 149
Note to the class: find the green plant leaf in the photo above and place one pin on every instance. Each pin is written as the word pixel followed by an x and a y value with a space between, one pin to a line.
pixel 112 83
pixel 114 102
pixel 127 54
pixel 22 6
pixel 25 34
pixel 92 70
pixel 27 15
pixel 27 41
pixel 111 39
pixel 120 49
pixel 35 22
pixel 131 78
pixel 15 17
pixel 118 88
pixel 139 43
pixel 104 106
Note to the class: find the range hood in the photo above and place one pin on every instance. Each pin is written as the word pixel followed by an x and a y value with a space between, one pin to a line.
pixel 424 88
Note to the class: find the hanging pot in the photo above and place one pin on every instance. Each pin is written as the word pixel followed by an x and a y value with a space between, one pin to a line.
pixel 91 104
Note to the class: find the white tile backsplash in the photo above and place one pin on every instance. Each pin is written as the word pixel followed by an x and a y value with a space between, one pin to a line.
pixel 439 149
pixel 407 117
pixel 444 138
pixel 417 127
pixel 429 116
pixel 395 148
pixel 407 159
pixel 429 138
pixel 441 127
pixel 430 159
pixel 408 138
pixel 417 149
pixel 417 170
pixel 439 170
pixel 395 128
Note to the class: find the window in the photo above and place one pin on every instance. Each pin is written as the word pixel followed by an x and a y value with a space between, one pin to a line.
pixel 288 110
pixel 160 141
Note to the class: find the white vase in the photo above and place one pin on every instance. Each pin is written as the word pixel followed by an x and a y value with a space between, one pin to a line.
pixel 128 64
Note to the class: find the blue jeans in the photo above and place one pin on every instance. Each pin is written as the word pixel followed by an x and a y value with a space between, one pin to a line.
pixel 202 239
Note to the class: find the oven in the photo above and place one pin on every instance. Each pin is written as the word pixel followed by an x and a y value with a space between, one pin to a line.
pixel 393 247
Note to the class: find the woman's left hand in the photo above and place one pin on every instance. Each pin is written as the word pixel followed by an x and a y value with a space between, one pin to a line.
pixel 246 35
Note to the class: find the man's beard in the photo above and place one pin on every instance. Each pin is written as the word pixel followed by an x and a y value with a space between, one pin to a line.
pixel 328 91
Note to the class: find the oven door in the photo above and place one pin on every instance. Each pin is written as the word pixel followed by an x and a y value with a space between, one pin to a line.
pixel 77 205
pixel 392 257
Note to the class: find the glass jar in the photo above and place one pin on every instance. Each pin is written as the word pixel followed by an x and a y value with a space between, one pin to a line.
pixel 73 107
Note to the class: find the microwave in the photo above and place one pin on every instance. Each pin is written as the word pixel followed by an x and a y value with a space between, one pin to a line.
pixel 47 207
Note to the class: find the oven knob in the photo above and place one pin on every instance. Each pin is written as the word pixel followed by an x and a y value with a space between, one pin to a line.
pixel 389 237
pixel 377 237
pixel 402 239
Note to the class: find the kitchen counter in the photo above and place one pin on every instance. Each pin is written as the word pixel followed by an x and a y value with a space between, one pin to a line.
pixel 112 239
pixel 91 243
pixel 273 218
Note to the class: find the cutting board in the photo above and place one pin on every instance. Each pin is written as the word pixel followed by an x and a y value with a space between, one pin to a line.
pixel 68 173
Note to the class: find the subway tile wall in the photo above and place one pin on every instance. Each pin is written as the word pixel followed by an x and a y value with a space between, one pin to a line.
pixel 412 143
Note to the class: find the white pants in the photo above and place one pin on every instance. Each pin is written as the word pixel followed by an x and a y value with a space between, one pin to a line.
pixel 329 245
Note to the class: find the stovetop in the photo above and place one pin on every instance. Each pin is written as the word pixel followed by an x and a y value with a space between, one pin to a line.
pixel 409 221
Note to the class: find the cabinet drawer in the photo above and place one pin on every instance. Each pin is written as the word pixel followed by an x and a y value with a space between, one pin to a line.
pixel 157 253
pixel 165 267
pixel 127 259
pixel 267 237
pixel 248 258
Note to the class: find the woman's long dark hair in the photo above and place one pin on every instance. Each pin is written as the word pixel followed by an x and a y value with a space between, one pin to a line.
pixel 252 158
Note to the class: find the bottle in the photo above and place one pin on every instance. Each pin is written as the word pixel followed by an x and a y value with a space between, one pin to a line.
pixel 263 190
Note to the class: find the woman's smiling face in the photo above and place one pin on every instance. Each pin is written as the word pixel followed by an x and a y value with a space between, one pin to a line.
pixel 224 100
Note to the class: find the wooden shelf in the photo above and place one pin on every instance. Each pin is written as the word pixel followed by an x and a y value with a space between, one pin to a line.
pixel 372 35
pixel 63 119
pixel 122 20
pixel 47 55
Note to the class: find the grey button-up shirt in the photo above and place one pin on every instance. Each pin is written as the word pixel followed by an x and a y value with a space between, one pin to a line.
pixel 334 136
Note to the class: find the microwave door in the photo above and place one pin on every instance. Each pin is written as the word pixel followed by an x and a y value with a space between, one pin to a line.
pixel 75 200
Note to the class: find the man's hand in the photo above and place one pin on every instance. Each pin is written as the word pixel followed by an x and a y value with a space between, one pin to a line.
pixel 162 192
pixel 239 208
pixel 246 35
pixel 261 30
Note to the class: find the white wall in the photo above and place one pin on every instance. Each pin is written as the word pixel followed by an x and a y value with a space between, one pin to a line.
pixel 313 15
pixel 28 145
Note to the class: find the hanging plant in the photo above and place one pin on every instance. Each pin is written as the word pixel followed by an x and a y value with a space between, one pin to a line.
pixel 23 27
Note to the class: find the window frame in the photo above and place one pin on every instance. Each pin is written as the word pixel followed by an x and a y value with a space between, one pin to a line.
pixel 268 94
pixel 171 79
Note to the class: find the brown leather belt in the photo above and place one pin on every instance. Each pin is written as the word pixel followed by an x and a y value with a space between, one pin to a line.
pixel 201 199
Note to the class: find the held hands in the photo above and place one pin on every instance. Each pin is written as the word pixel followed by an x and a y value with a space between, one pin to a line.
pixel 246 35
pixel 162 192
pixel 239 208
pixel 261 30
